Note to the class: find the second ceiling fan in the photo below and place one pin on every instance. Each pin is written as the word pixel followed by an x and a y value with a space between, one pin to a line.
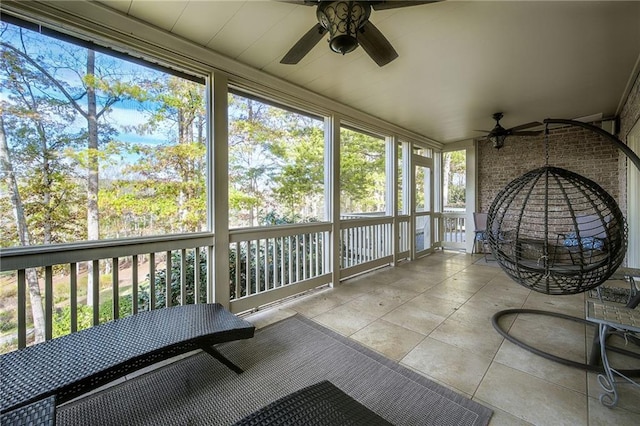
pixel 348 25
pixel 498 134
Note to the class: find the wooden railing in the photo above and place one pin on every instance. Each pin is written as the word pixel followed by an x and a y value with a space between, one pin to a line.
pixel 271 263
pixel 365 243
pixel 266 264
pixel 453 229
pixel 62 268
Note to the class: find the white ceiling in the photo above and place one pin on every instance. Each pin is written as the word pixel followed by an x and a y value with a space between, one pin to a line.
pixel 460 61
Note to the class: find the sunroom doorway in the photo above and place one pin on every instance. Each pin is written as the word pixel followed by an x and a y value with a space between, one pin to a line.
pixel 422 212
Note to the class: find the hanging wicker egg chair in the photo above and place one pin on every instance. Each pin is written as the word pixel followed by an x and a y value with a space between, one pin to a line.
pixel 556 232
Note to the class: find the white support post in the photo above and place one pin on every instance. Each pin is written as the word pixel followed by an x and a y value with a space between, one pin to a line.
pixel 633 201
pixel 332 194
pixel 470 196
pixel 410 202
pixel 218 165
pixel 391 145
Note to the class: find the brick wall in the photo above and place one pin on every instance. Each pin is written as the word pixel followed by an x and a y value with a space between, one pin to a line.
pixel 572 148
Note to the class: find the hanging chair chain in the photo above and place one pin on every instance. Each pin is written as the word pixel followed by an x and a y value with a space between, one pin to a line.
pixel 546 145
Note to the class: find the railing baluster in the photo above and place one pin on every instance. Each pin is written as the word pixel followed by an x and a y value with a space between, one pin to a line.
pixel 73 296
pixel 316 264
pixel 196 275
pixel 238 275
pixel 266 264
pixel 183 277
pixel 257 268
pixel 115 287
pixel 290 277
pixel 48 304
pixel 96 292
pixel 167 280
pixel 22 309
pixel 274 262
pixel 304 257
pixel 134 284
pixel 298 266
pixel 282 262
pixel 346 246
pixel 152 281
pixel 248 269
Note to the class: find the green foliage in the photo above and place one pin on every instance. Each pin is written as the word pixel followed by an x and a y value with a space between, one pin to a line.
pixel 7 322
pixel 160 283
pixel 62 316
pixel 281 261
pixel 362 172
pixel 454 166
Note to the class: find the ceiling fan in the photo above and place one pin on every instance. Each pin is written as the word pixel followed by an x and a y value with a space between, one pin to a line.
pixel 498 134
pixel 347 23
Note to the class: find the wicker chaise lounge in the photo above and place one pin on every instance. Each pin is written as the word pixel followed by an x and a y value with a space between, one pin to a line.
pixel 74 364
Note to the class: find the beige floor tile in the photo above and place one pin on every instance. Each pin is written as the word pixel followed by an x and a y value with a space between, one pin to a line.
pixel 531 399
pixel 599 415
pixel 480 311
pixel 442 291
pixel 346 319
pixel 502 418
pixel 457 367
pixel 523 360
pixel 463 283
pixel 508 292
pixel 391 340
pixel 418 285
pixel 316 304
pixel 628 395
pixel 479 338
pixel 381 301
pixel 413 316
pixel 561 337
pixel 436 305
pixel 482 274
pixel 567 304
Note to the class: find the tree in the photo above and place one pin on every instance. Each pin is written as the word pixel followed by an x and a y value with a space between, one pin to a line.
pixel 73 76
pixel 454 178
pixel 300 180
pixel 173 171
pixel 254 128
pixel 362 172
pixel 23 233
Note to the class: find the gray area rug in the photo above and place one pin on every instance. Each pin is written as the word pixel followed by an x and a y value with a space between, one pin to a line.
pixel 280 359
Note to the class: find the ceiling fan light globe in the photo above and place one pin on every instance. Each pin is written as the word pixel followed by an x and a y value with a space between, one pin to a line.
pixel 343 44
pixel 497 140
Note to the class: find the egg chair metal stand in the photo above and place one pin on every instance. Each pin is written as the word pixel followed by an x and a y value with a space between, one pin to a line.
pixel 558 233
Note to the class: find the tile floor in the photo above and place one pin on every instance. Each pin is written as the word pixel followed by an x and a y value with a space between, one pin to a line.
pixel 434 316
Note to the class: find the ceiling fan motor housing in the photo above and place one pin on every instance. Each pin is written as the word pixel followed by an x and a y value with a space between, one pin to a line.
pixel 343 20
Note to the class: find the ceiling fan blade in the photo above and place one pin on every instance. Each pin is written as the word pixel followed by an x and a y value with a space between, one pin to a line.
pixel 526 126
pixel 304 45
pixel 376 45
pixel 391 4
pixel 486 131
pixel 526 133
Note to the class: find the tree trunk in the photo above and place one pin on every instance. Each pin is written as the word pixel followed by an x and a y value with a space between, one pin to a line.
pixel 23 234
pixel 93 230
